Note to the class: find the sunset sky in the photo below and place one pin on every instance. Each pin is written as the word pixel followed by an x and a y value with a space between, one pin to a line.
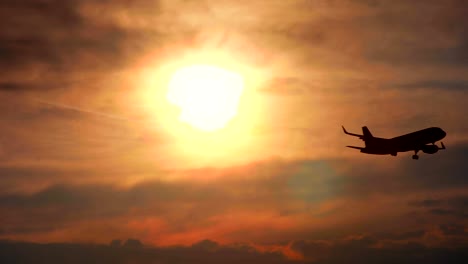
pixel 92 149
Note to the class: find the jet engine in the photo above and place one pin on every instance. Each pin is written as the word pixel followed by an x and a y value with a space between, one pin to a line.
pixel 430 149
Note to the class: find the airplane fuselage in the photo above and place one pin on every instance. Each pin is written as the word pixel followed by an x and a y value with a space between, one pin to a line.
pixel 409 142
pixel 422 140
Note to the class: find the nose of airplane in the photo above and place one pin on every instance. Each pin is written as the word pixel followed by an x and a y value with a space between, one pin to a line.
pixel 442 133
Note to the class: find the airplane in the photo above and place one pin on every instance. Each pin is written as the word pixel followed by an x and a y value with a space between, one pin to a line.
pixel 423 140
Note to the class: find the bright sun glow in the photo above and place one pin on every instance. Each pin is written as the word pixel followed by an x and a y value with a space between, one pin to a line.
pixel 207 96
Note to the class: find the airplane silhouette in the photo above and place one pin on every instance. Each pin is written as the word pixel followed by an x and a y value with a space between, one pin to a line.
pixel 423 140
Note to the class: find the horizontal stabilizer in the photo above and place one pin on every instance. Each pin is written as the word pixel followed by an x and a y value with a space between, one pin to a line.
pixel 354 147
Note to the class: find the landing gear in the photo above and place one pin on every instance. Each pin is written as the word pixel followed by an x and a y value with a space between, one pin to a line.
pixel 415 156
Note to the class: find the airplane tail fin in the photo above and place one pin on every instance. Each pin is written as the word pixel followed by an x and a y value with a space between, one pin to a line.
pixel 366 132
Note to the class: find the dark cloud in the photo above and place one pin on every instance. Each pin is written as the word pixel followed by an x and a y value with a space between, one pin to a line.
pixel 61 55
pixel 455 201
pixel 54 10
pixel 27 37
pixel 459 201
pixel 206 245
pixel 444 170
pixel 49 113
pixel 15 252
pixel 277 186
pixel 356 250
pixel 404 254
pixel 11 86
pixel 18 174
pixel 50 41
pixel 160 199
pixel 438 211
pixel 282 184
pixel 363 35
pixel 316 182
pixel 406 33
pixel 364 250
pixel 454 85
pixel 413 54
pixel 312 250
pixel 68 204
pixel 453 229
pixel 456 206
pixel 402 235
pixel 427 203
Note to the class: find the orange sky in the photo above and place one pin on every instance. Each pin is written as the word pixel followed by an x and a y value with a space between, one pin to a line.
pixel 90 149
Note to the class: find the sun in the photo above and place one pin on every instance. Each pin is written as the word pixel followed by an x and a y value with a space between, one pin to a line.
pixel 208 96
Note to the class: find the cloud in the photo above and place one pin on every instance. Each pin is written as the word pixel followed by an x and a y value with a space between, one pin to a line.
pixel 286 86
pixel 405 236
pixel 394 40
pixel 10 86
pixel 456 206
pixel 356 250
pixel 444 172
pixel 447 85
pixel 453 229
pixel 370 249
pixel 427 203
pixel 233 202
pixel 77 253
pixel 201 201
pixel 50 44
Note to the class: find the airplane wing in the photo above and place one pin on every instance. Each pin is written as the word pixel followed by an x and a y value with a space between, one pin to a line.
pixel 352 134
